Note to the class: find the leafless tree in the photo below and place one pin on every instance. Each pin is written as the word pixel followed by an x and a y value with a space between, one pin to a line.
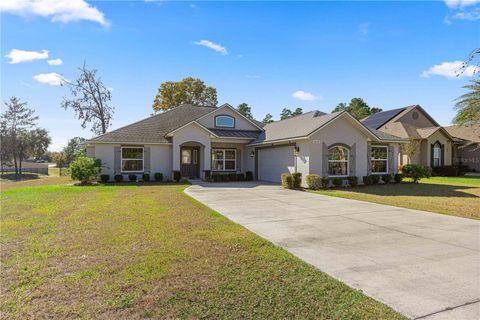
pixel 89 99
pixel 473 60
pixel 410 148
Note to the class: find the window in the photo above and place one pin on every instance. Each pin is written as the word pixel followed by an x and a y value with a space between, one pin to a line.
pixel 379 159
pixel 225 121
pixel 338 161
pixel 186 156
pixel 132 159
pixel 224 159
pixel 437 154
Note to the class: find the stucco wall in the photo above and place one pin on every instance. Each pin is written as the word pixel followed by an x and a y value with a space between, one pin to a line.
pixel 191 133
pixel 161 160
pixel 105 152
pixel 439 136
pixel 421 122
pixel 340 131
pixel 240 122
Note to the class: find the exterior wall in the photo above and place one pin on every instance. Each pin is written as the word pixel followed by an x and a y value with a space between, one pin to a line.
pixel 106 153
pixel 443 139
pixel 468 155
pixel 161 160
pixel 90 151
pixel 191 133
pixel 341 131
pixel 421 122
pixel 240 122
pixel 248 161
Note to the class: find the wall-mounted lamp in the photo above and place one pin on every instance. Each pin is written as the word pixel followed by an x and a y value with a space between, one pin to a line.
pixel 296 151
pixel 252 154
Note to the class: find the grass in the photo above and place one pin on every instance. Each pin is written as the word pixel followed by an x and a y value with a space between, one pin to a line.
pixel 150 251
pixel 457 196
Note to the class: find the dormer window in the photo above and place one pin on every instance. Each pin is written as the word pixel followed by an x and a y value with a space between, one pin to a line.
pixel 225 121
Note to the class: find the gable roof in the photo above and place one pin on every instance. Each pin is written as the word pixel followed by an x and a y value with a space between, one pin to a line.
pixel 153 129
pixel 378 119
pixel 469 134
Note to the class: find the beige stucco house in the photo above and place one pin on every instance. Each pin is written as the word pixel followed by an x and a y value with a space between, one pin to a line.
pixel 197 140
pixel 431 144
pixel 467 146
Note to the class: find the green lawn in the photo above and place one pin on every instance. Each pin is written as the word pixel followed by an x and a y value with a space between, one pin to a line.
pixel 458 196
pixel 151 252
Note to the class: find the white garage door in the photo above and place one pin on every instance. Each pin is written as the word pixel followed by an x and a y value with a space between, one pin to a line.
pixel 272 162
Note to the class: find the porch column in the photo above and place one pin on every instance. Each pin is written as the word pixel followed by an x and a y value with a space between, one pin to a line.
pixel 175 155
pixel 207 156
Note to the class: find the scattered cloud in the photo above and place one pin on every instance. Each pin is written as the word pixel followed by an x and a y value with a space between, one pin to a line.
pixel 461 3
pixel 26 84
pixel 448 70
pixel 55 62
pixel 18 56
pixel 214 46
pixel 52 79
pixel 363 28
pixel 253 76
pixel 305 96
pixel 60 11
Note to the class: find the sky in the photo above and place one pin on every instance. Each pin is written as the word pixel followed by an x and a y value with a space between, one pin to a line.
pixel 270 55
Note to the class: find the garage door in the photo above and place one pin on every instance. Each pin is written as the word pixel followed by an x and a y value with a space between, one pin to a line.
pixel 272 162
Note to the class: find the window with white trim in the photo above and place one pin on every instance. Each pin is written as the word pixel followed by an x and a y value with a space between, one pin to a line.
pixel 132 159
pixel 338 161
pixel 224 159
pixel 437 154
pixel 379 159
pixel 225 121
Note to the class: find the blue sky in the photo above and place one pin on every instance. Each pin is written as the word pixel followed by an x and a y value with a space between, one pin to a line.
pixel 270 55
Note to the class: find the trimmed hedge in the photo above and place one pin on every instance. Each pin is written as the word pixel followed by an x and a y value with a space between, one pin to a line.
pixel 387 178
pixel 416 172
pixel 249 176
pixel 176 176
pixel 352 181
pixel 146 177
pixel 398 177
pixel 132 177
pixel 240 177
pixel 314 181
pixel 337 182
pixel 158 176
pixel 297 180
pixel 104 178
pixel 287 181
pixel 118 178
pixel 325 182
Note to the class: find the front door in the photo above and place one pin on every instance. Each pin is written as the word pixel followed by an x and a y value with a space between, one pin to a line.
pixel 189 162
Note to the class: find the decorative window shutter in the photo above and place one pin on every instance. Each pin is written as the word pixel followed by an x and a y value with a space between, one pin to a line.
pixel 369 158
pixel 117 159
pixel 431 155
pixel 442 158
pixel 391 164
pixel 324 160
pixel 146 159
pixel 351 161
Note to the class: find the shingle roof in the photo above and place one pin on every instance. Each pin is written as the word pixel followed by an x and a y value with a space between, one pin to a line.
pixel 298 126
pixel 153 129
pixel 385 136
pixel 235 133
pixel 470 134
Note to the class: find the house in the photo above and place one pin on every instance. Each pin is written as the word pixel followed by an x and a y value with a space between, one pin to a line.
pixel 196 140
pixel 432 144
pixel 467 146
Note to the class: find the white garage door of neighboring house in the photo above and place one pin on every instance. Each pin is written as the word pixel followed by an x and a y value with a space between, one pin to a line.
pixel 272 162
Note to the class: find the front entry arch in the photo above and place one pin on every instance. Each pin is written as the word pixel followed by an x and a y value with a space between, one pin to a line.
pixel 190 162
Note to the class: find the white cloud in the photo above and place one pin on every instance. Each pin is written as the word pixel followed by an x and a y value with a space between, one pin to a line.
pixel 214 46
pixel 467 15
pixel 305 96
pixel 460 3
pixel 449 70
pixel 55 62
pixel 59 10
pixel 52 79
pixel 18 56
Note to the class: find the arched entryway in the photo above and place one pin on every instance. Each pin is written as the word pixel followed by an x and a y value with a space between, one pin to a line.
pixel 190 159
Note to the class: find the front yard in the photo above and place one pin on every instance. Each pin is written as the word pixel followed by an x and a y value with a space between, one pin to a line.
pixel 457 196
pixel 150 251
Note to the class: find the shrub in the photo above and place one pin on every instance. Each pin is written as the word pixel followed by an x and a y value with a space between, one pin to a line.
pixel 352 181
pixel 367 180
pixel 146 177
pixel 158 176
pixel 118 178
pixel 325 182
pixel 337 182
pixel 240 177
pixel 132 177
pixel 387 178
pixel 249 176
pixel 216 177
pixel 225 177
pixel 416 172
pixel 313 181
pixel 85 169
pixel 447 171
pixel 375 178
pixel 287 181
pixel 398 177
pixel 176 176
pixel 208 174
pixel 232 177
pixel 297 180
pixel 104 178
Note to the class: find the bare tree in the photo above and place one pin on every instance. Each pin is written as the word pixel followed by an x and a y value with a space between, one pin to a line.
pixel 473 60
pixel 410 148
pixel 89 99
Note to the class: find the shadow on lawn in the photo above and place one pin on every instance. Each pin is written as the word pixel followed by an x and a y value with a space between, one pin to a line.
pixel 19 177
pixel 417 190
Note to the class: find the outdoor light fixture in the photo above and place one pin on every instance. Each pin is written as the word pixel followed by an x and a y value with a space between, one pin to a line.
pixel 252 154
pixel 296 150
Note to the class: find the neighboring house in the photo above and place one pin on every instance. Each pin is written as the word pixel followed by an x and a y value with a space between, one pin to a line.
pixel 467 146
pixel 434 146
pixel 194 140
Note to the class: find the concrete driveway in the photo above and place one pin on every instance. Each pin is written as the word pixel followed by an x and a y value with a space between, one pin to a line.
pixel 424 265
